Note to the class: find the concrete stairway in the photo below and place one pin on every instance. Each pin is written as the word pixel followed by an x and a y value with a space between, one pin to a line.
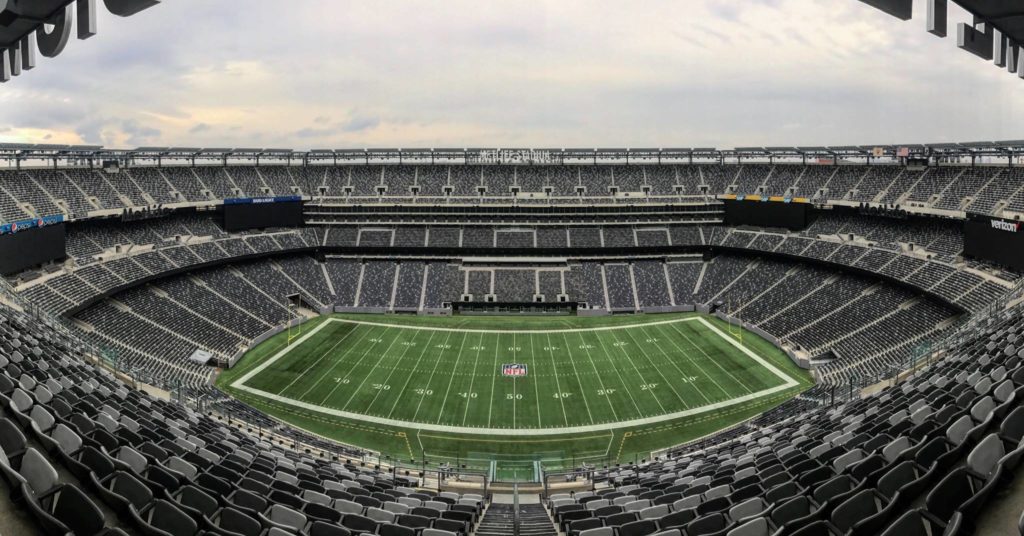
pixel 499 520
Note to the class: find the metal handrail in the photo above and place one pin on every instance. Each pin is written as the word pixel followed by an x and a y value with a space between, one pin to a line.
pixel 515 509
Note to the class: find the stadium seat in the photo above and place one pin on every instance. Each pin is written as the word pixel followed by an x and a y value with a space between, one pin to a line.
pixel 66 510
pixel 230 522
pixel 161 518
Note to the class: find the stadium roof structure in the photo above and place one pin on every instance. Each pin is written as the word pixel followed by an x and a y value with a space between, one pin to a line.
pixel 1008 149
pixel 44 26
pixel 996 32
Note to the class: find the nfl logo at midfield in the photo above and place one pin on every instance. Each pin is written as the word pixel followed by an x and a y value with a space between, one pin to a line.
pixel 513 369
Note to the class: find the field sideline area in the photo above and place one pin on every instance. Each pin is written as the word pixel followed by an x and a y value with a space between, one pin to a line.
pixel 514 390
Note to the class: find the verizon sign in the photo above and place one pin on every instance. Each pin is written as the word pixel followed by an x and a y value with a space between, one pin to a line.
pixel 1009 226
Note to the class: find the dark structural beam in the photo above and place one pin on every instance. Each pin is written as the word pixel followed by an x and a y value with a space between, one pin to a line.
pixel 901 9
pixel 995 32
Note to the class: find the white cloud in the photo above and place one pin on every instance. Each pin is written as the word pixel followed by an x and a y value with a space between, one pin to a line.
pixel 332 73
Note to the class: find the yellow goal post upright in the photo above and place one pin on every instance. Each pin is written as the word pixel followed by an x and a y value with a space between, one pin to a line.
pixel 294 332
pixel 734 330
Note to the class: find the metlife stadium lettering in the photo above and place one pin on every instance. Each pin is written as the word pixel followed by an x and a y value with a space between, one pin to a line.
pixel 48 33
pixel 1009 226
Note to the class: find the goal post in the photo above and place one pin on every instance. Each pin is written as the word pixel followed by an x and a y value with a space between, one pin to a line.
pixel 734 326
pixel 294 331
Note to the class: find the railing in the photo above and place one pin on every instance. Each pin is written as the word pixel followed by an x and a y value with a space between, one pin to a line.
pixel 515 509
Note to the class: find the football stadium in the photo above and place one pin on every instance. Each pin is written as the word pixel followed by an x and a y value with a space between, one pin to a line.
pixel 447 329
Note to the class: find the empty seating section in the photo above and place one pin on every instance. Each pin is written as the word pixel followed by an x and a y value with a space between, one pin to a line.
pixel 843 181
pixel 596 181
pixel 751 283
pixel 249 181
pixel 409 290
pixel 620 286
pixel 279 180
pixel 478 283
pixel 750 178
pixel 902 184
pixel 720 273
pixel 794 302
pixel 29 199
pixel 662 181
pixel 217 182
pixel 410 237
pixel 683 277
pixel 875 181
pixel 344 277
pixel 365 181
pixel 585 237
pixel 927 451
pixel 515 285
pixel 920 457
pixel 717 179
pixel 372 237
pixel 443 282
pixel 550 283
pixel 586 282
pixel 444 237
pixel 933 183
pixel 1002 187
pixel 83 453
pixel 398 181
pixel 618 237
pixel 514 238
pixel 964 188
pixel 552 237
pixel 813 180
pixel 64 191
pixel 76 192
pixel 781 180
pixel 375 285
pixel 652 237
pixel 651 284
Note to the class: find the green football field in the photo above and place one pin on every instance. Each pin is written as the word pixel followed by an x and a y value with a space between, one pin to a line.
pixel 511 393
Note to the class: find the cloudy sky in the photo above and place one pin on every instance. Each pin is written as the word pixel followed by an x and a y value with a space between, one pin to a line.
pixel 310 74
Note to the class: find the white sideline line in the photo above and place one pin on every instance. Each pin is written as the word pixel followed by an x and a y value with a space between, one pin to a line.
pixel 790 382
pixel 603 427
pixel 519 331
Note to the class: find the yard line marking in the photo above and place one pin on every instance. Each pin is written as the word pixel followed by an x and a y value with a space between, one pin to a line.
pixel 472 379
pixel 702 369
pixel 317 362
pixel 600 378
pixel 585 404
pixel 683 373
pixel 368 374
pixel 411 374
pixel 490 406
pixel 536 384
pixel 339 360
pixel 432 371
pixel 611 363
pixel 642 379
pixel 658 369
pixel 714 361
pixel 451 379
pixel 387 379
pixel 515 359
pixel 468 430
pixel 345 377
